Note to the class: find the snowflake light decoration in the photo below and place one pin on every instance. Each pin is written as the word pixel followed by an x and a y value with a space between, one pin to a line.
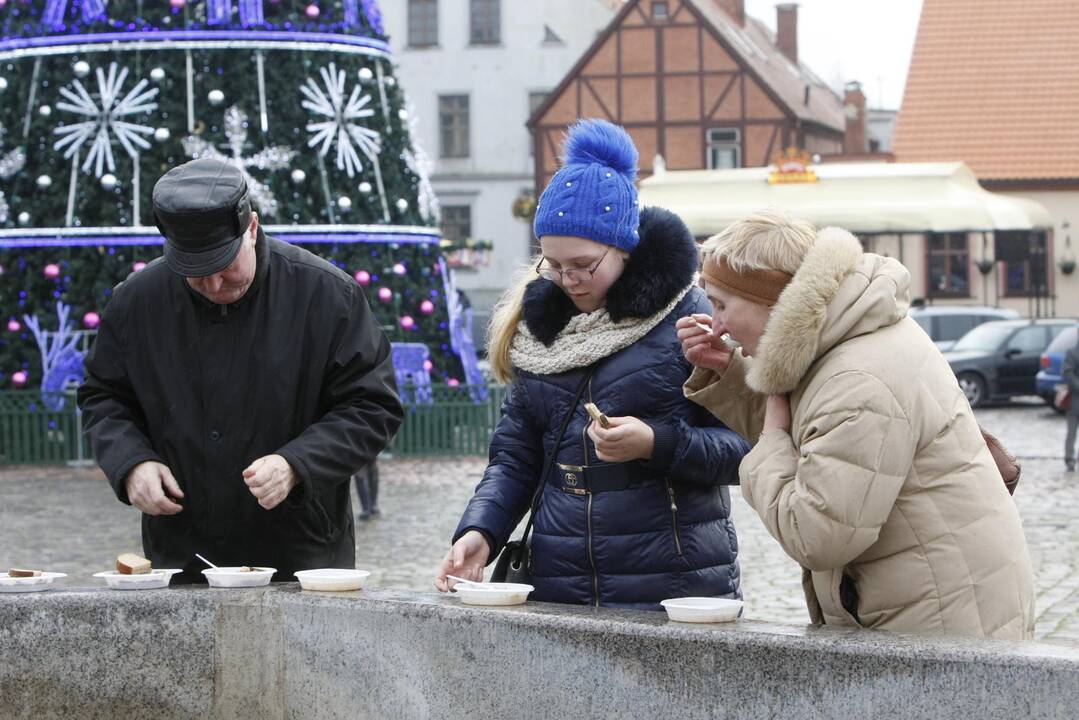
pixel 272 158
pixel 341 125
pixel 105 119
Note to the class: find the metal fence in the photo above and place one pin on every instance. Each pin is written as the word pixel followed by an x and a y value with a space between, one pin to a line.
pixel 456 421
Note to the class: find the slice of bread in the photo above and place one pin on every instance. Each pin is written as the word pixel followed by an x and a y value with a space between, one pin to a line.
pixel 132 564
pixel 15 572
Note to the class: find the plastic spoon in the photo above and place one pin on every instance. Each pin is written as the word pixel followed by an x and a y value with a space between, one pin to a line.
pixel 461 580
pixel 200 557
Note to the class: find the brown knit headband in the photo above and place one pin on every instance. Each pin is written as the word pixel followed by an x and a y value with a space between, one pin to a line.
pixel 759 286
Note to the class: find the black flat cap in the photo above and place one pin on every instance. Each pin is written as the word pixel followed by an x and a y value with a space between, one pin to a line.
pixel 203 210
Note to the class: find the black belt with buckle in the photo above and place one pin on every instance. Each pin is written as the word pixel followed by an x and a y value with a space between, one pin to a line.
pixel 585 479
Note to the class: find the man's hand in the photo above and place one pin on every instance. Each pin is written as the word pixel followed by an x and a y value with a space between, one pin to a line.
pixel 626 439
pixel 701 347
pixel 152 488
pixel 777 413
pixel 270 479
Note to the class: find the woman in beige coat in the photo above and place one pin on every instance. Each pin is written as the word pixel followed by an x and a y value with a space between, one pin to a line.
pixel 868 466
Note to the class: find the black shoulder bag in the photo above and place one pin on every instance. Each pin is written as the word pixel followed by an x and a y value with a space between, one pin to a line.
pixel 514 563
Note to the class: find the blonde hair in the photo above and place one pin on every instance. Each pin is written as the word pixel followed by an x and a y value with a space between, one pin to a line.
pixel 505 317
pixel 766 240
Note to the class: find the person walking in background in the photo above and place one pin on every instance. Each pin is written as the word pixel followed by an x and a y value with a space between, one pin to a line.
pixel 639 511
pixel 868 465
pixel 366 481
pixel 1070 376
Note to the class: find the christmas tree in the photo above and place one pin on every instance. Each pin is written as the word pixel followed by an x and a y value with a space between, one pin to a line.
pixel 100 98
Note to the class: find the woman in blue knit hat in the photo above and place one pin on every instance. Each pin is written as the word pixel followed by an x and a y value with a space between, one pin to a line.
pixel 639 511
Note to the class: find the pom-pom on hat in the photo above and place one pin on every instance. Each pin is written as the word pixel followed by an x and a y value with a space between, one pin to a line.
pixel 593 195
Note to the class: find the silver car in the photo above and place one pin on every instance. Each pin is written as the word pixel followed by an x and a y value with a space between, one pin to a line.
pixel 945 325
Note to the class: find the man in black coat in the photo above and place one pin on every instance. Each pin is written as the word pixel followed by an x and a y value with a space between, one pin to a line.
pixel 234 387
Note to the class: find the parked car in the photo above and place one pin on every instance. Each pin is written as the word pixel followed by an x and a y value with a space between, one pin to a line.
pixel 999 359
pixel 945 325
pixel 1052 363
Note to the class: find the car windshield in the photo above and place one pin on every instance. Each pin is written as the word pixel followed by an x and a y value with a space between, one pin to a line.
pixel 1064 341
pixel 984 338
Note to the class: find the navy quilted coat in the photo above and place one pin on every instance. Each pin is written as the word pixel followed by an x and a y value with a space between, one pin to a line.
pixel 669 533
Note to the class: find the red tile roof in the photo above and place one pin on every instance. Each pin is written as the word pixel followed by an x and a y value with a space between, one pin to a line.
pixel 995 83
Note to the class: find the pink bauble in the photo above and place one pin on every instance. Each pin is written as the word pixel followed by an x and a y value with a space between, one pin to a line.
pixel 18 379
pixel 428 365
pixel 453 382
pixel 407 322
pixel 52 271
pixel 13 325
pixel 427 307
pixel 177 3
pixel 135 267
pixel 311 11
pixel 91 320
pixel 399 269
pixel 363 277
pixel 385 294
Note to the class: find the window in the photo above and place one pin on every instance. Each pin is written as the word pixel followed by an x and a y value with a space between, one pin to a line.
pixel 724 148
pixel 457 222
pixel 453 123
pixel 953 327
pixel 1026 263
pixel 535 99
pixel 1030 340
pixel 659 11
pixel 949 265
pixel 422 23
pixel 486 22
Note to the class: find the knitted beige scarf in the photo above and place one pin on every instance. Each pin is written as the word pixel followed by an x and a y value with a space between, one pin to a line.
pixel 587 337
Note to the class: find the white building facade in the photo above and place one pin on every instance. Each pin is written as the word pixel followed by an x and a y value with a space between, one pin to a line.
pixel 474 70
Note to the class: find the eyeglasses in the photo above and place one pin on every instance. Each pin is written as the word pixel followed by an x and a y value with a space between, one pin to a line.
pixel 574 274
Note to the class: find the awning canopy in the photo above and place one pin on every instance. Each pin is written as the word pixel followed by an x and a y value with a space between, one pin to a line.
pixel 861 197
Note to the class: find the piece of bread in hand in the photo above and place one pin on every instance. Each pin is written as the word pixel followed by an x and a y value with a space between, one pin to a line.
pixel 16 572
pixel 132 564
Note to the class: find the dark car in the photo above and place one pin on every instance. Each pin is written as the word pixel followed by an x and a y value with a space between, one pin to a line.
pixel 999 359
pixel 1052 363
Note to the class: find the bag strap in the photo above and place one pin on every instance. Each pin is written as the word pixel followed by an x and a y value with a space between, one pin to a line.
pixel 550 459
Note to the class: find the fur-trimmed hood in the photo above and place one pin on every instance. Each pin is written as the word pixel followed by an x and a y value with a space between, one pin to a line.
pixel 660 268
pixel 838 293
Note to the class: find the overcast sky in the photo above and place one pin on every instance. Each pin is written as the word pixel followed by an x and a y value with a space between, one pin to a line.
pixel 865 40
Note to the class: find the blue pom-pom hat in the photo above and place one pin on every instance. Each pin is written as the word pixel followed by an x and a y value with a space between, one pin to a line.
pixel 593 195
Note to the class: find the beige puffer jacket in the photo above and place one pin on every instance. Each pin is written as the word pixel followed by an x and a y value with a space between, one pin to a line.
pixel 884 486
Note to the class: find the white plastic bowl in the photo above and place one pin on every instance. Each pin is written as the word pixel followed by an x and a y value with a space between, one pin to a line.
pixel 28 584
pixel 234 577
pixel 702 609
pixel 332 579
pixel 153 580
pixel 492 593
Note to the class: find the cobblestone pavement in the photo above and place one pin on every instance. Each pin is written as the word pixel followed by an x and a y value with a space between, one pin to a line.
pixel 67 520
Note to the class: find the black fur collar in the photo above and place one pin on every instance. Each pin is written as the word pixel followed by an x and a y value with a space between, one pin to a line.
pixel 659 268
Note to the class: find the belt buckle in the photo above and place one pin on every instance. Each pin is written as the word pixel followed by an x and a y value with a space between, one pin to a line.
pixel 571 476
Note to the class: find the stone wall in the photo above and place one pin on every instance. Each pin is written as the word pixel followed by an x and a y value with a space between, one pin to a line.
pixel 276 653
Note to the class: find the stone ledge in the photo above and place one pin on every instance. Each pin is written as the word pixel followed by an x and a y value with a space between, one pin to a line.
pixel 278 652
